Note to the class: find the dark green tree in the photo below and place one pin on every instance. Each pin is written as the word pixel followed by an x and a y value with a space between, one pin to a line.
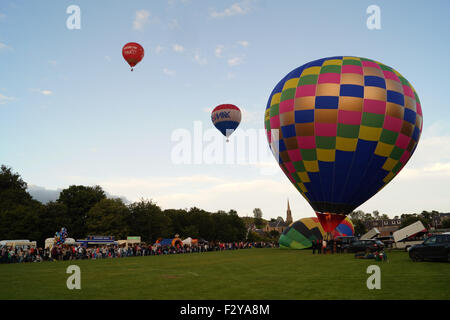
pixel 446 223
pixel 19 213
pixel 148 221
pixel 109 217
pixel 79 200
pixel 52 218
pixel 359 226
pixel 13 190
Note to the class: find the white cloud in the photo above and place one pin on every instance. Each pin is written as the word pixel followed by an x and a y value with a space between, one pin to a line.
pixel 141 19
pixel 238 8
pixel 178 48
pixel 108 58
pixel 169 72
pixel 235 61
pixel 159 49
pixel 212 193
pixel 244 43
pixel 249 116
pixel 199 59
pixel 4 47
pixel 219 50
pixel 44 92
pixel 4 99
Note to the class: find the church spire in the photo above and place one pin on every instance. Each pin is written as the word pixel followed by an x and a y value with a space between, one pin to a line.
pixel 289 214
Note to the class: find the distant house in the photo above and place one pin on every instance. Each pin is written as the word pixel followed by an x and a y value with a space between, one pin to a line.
pixel 437 221
pixel 279 224
pixel 385 226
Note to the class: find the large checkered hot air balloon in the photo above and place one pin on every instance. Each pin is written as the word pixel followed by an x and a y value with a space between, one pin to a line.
pixel 226 118
pixel 341 128
pixel 300 234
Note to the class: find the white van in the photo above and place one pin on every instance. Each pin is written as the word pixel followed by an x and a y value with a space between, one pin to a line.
pixel 408 236
pixel 371 234
pixel 18 243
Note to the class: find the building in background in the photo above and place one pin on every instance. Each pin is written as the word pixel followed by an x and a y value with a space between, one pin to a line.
pixel 279 224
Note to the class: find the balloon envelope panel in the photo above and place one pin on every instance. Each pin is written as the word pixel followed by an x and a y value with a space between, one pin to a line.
pixel 346 127
pixel 301 233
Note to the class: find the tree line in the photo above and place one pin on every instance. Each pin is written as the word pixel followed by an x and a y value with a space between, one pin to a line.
pixel 86 210
pixel 361 219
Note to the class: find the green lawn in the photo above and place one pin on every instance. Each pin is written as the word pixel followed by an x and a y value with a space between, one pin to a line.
pixel 245 274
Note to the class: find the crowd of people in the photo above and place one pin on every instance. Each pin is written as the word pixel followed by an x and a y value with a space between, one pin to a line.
pixel 324 246
pixel 78 252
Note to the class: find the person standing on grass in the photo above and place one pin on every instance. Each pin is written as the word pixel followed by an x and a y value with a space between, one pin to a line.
pixel 319 246
pixel 324 246
pixel 313 245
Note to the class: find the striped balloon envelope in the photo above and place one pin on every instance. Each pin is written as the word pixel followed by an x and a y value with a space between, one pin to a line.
pixel 301 233
pixel 226 118
pixel 345 128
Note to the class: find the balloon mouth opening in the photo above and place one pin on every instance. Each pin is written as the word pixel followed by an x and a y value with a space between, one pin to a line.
pixel 329 221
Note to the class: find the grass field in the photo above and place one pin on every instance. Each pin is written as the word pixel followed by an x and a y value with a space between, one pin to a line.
pixel 245 274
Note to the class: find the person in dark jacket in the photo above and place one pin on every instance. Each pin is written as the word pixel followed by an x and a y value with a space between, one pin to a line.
pixel 319 246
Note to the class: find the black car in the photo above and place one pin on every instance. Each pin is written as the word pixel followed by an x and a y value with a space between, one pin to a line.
pixel 371 245
pixel 346 240
pixel 435 247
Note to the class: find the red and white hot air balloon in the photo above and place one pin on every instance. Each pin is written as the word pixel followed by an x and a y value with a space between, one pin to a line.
pixel 133 53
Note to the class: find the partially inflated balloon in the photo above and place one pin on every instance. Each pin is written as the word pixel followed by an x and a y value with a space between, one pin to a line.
pixel 301 233
pixel 133 53
pixel 347 126
pixel 226 118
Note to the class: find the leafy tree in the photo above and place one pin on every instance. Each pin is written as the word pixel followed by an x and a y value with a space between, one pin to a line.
pixel 446 223
pixel 13 190
pixel 357 215
pixel 376 215
pixel 148 221
pixel 360 227
pixel 109 217
pixel 254 237
pixel 411 218
pixel 274 234
pixel 257 214
pixel 52 218
pixel 18 211
pixel 79 200
pixel 20 222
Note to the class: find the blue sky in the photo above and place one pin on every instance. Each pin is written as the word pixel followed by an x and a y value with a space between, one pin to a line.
pixel 71 112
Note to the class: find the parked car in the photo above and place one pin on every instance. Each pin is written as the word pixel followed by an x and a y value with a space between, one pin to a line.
pixel 371 245
pixel 346 240
pixel 387 241
pixel 435 247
